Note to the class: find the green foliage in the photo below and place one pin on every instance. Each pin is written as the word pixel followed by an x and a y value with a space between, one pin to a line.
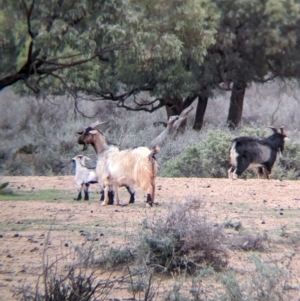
pixel 115 257
pixel 3 185
pixel 3 190
pixel 207 159
pixel 76 45
pixel 253 35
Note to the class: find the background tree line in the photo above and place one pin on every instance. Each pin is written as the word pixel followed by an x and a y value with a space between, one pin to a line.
pixel 180 51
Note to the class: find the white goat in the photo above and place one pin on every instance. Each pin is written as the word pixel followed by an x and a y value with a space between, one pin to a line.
pixel 116 167
pixel 83 176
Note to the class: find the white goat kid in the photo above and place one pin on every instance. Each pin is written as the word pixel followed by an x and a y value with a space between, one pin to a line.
pixel 116 167
pixel 83 176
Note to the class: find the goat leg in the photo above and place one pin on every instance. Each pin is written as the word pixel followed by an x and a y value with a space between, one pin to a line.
pixel 86 192
pixel 106 199
pixel 115 188
pixel 79 196
pixel 132 194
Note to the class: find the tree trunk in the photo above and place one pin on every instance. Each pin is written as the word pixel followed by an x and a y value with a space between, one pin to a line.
pixel 200 111
pixel 236 104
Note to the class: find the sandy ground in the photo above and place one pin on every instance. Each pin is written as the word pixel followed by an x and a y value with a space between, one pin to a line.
pixel 266 207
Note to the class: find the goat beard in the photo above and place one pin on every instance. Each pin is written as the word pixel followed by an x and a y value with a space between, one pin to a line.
pixel 85 146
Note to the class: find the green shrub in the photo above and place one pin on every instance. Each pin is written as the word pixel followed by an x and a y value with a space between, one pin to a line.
pixel 287 166
pixel 207 159
pixel 4 190
pixel 114 257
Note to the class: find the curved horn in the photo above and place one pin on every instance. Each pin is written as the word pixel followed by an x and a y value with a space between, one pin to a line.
pixel 80 133
pixel 273 129
pixel 97 123
pixel 282 130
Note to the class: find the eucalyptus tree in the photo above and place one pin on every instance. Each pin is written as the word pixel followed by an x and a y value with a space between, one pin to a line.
pixel 42 41
pixel 254 43
pixel 171 40
pixel 109 50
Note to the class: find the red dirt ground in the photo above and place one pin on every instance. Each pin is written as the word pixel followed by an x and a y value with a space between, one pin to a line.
pixel 265 207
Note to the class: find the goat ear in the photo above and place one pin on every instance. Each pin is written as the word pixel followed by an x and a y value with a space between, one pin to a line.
pixel 87 158
pixel 273 129
pixel 97 123
pixel 80 133
pixel 93 132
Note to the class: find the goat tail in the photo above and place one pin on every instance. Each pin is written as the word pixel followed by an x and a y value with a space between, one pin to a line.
pixel 152 159
pixel 154 151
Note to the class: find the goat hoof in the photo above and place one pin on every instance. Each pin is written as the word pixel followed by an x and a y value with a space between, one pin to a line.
pixel 103 204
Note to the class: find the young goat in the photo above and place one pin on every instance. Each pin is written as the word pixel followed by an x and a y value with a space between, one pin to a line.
pixel 116 167
pixel 85 176
pixel 248 152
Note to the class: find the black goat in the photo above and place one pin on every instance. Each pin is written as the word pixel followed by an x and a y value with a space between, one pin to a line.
pixel 248 152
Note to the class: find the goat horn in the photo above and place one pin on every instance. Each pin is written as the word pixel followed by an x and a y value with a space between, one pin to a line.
pixel 97 123
pixel 282 130
pixel 273 128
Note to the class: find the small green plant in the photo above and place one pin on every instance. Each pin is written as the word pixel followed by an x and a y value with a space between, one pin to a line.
pixel 115 257
pixel 266 283
pixel 3 190
pixel 3 185
pixel 234 292
pixel 234 225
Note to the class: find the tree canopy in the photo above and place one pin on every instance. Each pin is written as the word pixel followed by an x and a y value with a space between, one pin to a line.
pixel 177 50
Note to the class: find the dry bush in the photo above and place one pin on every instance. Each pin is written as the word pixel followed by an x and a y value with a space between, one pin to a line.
pixel 266 282
pixel 74 275
pixel 182 241
pixel 247 242
pixel 46 128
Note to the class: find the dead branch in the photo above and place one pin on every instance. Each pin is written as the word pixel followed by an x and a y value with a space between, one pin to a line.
pixel 172 127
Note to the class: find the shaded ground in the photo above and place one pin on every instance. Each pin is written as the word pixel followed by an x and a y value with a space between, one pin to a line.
pixel 270 208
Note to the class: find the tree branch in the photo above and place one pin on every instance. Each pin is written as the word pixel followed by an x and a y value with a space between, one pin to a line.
pixel 28 15
pixel 28 70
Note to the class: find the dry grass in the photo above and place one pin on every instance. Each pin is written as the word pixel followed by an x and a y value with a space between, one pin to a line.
pixel 38 123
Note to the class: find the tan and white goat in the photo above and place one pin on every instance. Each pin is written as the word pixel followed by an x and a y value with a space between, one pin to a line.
pixel 130 167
